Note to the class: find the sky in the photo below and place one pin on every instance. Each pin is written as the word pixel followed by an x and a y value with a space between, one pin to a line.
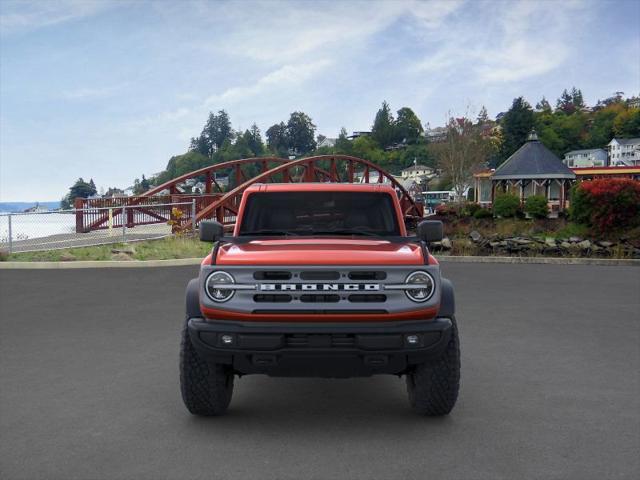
pixel 110 90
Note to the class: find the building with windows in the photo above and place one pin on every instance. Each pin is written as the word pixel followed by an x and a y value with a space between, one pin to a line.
pixel 624 152
pixel 594 157
pixel 417 172
pixel 532 170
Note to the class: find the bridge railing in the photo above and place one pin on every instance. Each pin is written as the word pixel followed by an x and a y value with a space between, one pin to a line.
pixel 58 229
pixel 102 213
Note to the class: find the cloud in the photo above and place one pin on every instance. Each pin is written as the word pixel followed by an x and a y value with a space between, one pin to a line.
pixel 92 92
pixel 23 15
pixel 285 77
pixel 526 40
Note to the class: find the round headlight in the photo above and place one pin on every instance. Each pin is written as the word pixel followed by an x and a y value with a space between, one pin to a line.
pixel 214 286
pixel 425 286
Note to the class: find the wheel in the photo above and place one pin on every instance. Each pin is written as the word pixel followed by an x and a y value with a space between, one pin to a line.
pixel 206 388
pixel 433 386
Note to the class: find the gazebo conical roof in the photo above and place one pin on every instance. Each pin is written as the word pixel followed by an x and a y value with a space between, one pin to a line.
pixel 533 160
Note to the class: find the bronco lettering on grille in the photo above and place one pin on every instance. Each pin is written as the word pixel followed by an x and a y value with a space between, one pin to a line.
pixel 314 287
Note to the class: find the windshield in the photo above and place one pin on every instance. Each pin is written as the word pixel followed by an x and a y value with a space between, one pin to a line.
pixel 319 213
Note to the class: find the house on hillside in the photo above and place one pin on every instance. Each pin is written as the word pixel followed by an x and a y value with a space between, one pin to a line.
pixel 417 172
pixel 532 170
pixel 593 157
pixel 327 142
pixel 358 134
pixel 624 152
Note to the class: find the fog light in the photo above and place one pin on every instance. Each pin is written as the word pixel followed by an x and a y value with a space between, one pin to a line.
pixel 226 339
pixel 413 339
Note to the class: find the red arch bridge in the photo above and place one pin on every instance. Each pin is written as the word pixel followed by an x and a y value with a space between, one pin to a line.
pixel 165 204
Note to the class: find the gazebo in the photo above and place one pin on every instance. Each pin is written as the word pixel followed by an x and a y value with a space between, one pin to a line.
pixel 532 170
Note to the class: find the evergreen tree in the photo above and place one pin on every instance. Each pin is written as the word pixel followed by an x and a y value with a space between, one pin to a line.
pixel 253 139
pixel 543 106
pixel 576 99
pixel 216 131
pixel 483 116
pixel 565 103
pixel 343 144
pixel 517 123
pixel 382 130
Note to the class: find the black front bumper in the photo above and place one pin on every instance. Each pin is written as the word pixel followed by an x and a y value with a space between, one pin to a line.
pixel 319 349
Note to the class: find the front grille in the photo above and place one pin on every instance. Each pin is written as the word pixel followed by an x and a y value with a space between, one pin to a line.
pixel 272 275
pixel 319 298
pixel 359 298
pixel 272 298
pixel 320 275
pixel 367 275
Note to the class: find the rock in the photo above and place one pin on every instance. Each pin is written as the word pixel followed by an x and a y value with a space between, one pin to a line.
pixel 566 245
pixel 605 244
pixel 446 244
pixel 494 244
pixel 550 241
pixel 522 241
pixel 475 236
pixel 67 257
pixel 121 257
pixel 575 239
pixel 585 244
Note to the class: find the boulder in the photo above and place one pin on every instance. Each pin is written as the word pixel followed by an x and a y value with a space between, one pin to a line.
pixel 550 241
pixel 475 236
pixel 446 244
pixel 605 244
pixel 575 239
pixel 585 244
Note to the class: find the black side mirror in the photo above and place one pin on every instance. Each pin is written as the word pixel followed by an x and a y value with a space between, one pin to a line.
pixel 430 231
pixel 210 231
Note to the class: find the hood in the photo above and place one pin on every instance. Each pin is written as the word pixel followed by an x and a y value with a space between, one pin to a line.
pixel 320 251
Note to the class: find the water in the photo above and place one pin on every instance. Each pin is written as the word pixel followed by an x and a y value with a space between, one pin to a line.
pixel 29 226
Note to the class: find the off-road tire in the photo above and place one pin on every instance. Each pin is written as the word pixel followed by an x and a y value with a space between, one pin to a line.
pixel 433 386
pixel 206 388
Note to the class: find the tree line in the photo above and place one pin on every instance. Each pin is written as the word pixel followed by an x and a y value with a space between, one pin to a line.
pixel 398 140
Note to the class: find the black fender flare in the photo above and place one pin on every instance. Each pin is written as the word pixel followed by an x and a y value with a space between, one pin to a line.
pixel 447 299
pixel 192 296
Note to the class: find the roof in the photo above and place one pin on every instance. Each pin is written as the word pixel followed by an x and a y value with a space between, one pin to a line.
pixel 587 150
pixel 320 187
pixel 626 141
pixel 416 167
pixel 607 171
pixel 533 160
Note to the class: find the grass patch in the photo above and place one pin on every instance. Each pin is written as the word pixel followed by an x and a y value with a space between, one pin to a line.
pixel 162 249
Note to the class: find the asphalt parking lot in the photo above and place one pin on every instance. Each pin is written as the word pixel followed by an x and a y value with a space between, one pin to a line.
pixel 550 387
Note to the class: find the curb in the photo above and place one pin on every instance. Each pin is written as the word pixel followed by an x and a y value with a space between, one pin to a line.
pixel 181 262
pixel 612 262
pixel 177 262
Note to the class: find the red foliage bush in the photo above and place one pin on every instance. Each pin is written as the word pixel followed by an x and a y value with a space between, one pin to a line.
pixel 607 204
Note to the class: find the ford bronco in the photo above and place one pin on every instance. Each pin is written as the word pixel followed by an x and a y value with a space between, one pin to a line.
pixel 320 280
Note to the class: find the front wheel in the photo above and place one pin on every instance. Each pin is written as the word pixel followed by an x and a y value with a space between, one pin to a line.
pixel 433 386
pixel 206 388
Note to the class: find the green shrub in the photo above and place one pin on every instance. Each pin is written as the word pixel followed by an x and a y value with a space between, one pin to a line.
pixel 483 213
pixel 469 209
pixel 506 205
pixel 536 206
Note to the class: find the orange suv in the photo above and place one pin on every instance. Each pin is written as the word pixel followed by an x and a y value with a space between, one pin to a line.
pixel 320 280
